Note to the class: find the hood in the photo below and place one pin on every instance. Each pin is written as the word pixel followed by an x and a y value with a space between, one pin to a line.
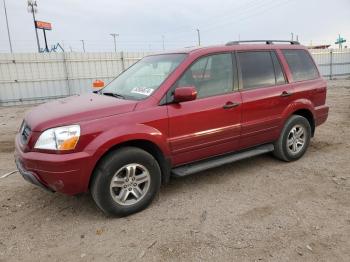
pixel 75 109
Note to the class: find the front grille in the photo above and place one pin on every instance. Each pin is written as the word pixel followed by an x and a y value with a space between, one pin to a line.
pixel 25 133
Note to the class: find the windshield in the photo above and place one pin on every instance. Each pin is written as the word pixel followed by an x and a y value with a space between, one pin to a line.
pixel 144 77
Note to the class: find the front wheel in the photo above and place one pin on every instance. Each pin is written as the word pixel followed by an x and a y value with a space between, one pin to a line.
pixel 125 181
pixel 294 139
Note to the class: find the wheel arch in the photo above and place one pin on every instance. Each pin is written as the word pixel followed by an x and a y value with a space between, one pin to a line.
pixel 301 107
pixel 309 116
pixel 146 145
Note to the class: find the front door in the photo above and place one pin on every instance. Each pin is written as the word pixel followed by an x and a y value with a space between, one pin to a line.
pixel 209 125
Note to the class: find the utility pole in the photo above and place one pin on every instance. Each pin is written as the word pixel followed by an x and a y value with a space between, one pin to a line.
pixel 297 38
pixel 163 42
pixel 115 41
pixel 292 36
pixel 83 42
pixel 46 47
pixel 33 8
pixel 199 36
pixel 8 29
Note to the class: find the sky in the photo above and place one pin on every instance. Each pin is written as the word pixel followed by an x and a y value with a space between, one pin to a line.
pixel 142 25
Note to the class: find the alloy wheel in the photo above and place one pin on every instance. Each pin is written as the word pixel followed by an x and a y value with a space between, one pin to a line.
pixel 130 184
pixel 296 139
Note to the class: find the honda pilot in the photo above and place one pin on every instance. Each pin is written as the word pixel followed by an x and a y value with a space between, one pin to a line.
pixel 174 114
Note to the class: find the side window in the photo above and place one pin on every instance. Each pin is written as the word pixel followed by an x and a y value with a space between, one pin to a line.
pixel 211 75
pixel 280 79
pixel 301 65
pixel 257 69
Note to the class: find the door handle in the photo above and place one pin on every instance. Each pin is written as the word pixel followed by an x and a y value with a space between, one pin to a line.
pixel 229 105
pixel 285 93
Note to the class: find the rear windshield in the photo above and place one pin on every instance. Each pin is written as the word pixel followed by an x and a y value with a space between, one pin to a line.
pixel 301 65
pixel 145 77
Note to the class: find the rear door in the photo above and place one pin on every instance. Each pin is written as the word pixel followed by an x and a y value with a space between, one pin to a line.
pixel 265 94
pixel 306 79
pixel 209 125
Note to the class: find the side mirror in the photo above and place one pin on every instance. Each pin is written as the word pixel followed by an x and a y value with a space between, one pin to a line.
pixel 98 84
pixel 183 94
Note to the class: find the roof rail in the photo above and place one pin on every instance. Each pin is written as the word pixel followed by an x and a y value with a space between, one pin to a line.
pixel 268 42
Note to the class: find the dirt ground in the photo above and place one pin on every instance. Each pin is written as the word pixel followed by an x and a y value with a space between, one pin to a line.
pixel 258 209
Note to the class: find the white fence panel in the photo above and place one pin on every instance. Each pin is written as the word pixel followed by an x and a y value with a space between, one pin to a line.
pixel 333 63
pixel 32 78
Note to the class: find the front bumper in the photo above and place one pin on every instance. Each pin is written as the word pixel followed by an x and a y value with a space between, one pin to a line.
pixel 65 173
pixel 30 176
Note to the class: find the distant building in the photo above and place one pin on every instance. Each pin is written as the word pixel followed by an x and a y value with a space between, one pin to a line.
pixel 318 46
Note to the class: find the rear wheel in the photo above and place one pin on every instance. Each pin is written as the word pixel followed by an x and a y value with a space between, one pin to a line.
pixel 125 181
pixel 294 139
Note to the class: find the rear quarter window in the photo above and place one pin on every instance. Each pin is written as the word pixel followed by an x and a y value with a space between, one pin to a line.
pixel 301 65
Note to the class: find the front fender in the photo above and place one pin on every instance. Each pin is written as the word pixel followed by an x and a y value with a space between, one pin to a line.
pixel 104 141
pixel 121 134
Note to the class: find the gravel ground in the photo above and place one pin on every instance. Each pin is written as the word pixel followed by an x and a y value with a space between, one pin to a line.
pixel 258 209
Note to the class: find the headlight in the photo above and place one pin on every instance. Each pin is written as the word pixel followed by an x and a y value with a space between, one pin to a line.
pixel 59 138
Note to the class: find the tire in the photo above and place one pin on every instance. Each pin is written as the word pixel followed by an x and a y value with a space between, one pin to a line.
pixel 296 146
pixel 136 180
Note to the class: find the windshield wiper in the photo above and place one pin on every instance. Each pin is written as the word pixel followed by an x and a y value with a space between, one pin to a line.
pixel 114 95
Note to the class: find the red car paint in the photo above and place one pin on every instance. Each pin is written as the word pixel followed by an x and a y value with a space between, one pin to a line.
pixel 183 132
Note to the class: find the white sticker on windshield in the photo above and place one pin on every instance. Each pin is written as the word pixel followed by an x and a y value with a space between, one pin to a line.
pixel 146 91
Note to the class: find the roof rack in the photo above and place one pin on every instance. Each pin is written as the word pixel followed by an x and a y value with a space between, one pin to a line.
pixel 268 42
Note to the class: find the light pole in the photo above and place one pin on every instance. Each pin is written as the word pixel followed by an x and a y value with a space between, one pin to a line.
pixel 163 42
pixel 115 41
pixel 33 8
pixel 199 36
pixel 8 29
pixel 83 42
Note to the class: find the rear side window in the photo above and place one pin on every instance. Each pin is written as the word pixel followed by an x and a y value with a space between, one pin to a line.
pixel 257 69
pixel 301 65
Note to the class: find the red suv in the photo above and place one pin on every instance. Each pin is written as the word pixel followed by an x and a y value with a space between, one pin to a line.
pixel 174 113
